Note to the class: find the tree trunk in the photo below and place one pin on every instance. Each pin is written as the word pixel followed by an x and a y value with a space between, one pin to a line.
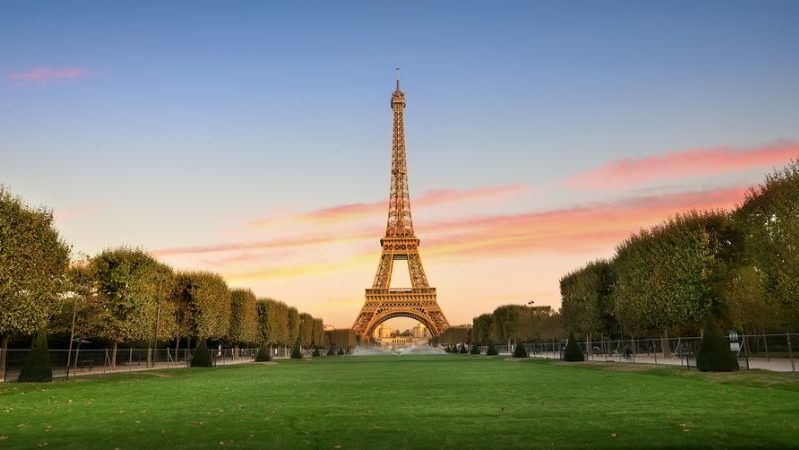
pixel 765 345
pixel 665 344
pixel 3 352
pixel 177 348
pixel 588 349
pixel 114 356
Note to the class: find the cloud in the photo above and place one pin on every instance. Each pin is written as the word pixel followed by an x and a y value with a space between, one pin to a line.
pixel 42 75
pixel 80 211
pixel 354 211
pixel 627 173
pixel 589 228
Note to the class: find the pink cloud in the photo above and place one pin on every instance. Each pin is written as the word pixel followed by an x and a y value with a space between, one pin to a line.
pixel 628 173
pixel 430 198
pixel 47 75
pixel 80 211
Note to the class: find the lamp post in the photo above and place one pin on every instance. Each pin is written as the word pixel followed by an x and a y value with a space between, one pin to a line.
pixel 530 304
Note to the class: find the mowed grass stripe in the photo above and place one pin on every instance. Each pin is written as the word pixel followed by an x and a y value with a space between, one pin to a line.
pixel 398 402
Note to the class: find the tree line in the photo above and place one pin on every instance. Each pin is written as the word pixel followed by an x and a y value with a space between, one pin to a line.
pixel 740 268
pixel 125 296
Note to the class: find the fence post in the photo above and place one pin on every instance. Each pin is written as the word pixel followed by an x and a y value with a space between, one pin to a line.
pixel 654 351
pixel 746 351
pixel 790 352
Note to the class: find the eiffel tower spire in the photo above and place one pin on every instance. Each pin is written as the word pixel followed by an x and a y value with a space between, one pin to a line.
pixel 399 244
pixel 400 224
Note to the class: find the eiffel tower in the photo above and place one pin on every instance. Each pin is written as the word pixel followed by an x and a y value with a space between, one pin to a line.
pixel 399 244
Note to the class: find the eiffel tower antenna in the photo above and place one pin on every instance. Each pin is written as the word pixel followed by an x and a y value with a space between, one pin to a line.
pixel 399 244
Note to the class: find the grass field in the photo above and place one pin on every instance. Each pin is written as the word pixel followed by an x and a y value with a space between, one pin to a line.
pixel 405 402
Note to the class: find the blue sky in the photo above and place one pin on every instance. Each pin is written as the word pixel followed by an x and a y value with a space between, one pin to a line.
pixel 181 122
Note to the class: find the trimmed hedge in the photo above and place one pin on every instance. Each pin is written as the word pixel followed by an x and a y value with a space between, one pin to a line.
pixel 475 350
pixel 492 351
pixel 714 354
pixel 201 357
pixel 296 353
pixel 520 351
pixel 573 352
pixel 37 368
pixel 463 349
pixel 264 353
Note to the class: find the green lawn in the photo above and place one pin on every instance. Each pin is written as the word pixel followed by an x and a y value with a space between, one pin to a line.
pixel 447 401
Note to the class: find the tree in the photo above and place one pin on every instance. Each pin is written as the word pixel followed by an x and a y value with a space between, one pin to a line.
pixel 306 330
pixel 272 321
pixel 204 301
pixel 769 222
pixel 454 335
pixel 666 275
pixel 482 327
pixel 33 262
pixel 130 286
pixel 293 329
pixel 341 338
pixel 243 317
pixel 586 299
pixel 318 333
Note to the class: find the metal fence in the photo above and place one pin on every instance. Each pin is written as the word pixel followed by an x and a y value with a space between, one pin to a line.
pixel 756 351
pixel 99 361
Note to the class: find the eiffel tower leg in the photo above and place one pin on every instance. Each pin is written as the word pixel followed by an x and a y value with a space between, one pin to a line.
pixel 384 270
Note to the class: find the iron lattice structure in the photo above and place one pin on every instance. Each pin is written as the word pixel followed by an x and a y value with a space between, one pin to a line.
pixel 399 244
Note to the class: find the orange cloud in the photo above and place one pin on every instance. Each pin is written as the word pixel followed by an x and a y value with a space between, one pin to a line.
pixel 354 211
pixel 594 227
pixel 627 173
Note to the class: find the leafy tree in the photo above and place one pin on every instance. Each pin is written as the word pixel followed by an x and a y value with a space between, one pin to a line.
pixel 714 351
pixel 453 335
pixel 205 304
pixel 306 330
pixel 37 366
pixel 482 329
pixel 130 286
pixel 318 333
pixel 293 329
pixel 341 338
pixel 33 262
pixel 243 317
pixel 273 321
pixel 769 222
pixel 586 299
pixel 666 275
pixel 572 353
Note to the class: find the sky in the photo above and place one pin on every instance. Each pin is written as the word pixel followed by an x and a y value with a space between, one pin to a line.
pixel 253 139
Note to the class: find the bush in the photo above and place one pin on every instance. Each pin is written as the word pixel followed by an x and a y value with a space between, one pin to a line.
pixel 296 353
pixel 37 365
pixel 520 351
pixel 201 357
pixel 475 350
pixel 341 351
pixel 264 353
pixel 492 351
pixel 316 353
pixel 714 353
pixel 463 349
pixel 331 352
pixel 573 352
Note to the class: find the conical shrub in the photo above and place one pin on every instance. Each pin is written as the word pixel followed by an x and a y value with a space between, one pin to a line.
pixel 463 349
pixel 296 353
pixel 264 353
pixel 492 351
pixel 331 352
pixel 573 352
pixel 341 351
pixel 520 351
pixel 714 354
pixel 316 353
pixel 202 357
pixel 475 350
pixel 37 366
